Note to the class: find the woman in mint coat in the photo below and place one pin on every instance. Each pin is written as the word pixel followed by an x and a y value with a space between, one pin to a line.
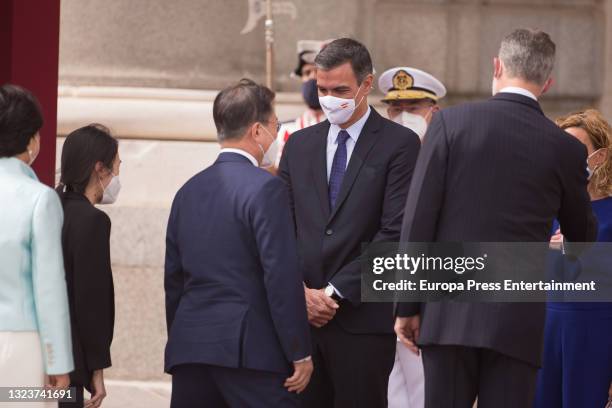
pixel 35 341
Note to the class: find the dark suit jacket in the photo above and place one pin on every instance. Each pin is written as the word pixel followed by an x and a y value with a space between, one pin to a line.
pixel 234 293
pixel 369 209
pixel 89 278
pixel 495 171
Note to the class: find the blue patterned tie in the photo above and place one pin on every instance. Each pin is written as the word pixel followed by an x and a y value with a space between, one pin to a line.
pixel 338 168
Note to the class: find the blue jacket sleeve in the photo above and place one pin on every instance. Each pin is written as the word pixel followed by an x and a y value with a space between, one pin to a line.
pixel 49 284
pixel 173 274
pixel 275 238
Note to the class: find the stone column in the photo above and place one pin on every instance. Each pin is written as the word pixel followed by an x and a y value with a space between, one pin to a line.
pixel 606 100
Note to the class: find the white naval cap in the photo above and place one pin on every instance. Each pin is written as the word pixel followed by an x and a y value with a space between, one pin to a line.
pixel 307 50
pixel 405 83
pixel 309 46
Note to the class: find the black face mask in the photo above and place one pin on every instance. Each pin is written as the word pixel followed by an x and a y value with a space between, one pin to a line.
pixel 311 94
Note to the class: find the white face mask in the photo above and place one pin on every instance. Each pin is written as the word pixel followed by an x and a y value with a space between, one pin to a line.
pixel 31 151
pixel 590 171
pixel 269 156
pixel 32 157
pixel 339 110
pixel 414 122
pixel 111 192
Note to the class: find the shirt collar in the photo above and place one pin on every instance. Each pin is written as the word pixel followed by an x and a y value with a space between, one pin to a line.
pixel 242 153
pixel 16 166
pixel 354 130
pixel 520 91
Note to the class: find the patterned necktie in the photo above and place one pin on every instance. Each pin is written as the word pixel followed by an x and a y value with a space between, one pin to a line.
pixel 338 168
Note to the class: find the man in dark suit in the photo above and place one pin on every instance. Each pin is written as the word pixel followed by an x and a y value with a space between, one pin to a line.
pixel 348 182
pixel 493 171
pixel 235 307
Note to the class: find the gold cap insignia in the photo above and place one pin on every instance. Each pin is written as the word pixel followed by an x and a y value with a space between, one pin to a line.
pixel 402 80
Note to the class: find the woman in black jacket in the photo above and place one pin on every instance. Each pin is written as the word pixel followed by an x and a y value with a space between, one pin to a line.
pixel 89 176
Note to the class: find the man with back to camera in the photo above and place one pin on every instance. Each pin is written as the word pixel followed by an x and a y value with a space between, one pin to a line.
pixel 412 98
pixel 237 327
pixel 348 178
pixel 493 171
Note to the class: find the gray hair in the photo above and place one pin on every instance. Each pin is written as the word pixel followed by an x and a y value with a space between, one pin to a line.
pixel 528 54
pixel 345 50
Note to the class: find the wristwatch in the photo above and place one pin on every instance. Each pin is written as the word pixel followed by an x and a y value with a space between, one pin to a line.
pixel 331 292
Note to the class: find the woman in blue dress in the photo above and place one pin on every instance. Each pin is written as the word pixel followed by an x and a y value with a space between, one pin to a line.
pixel 577 361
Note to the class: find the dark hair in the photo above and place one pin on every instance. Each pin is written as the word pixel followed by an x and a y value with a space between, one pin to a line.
pixel 20 119
pixel 239 106
pixel 345 50
pixel 82 149
pixel 528 54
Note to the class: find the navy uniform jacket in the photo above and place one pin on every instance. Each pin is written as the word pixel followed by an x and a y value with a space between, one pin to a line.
pixel 234 293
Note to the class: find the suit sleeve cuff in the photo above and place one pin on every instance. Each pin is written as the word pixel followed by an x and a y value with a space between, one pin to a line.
pixel 303 360
pixel 336 291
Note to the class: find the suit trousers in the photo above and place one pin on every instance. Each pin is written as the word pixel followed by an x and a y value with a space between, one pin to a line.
pixel 207 386
pixel 456 375
pixel 350 370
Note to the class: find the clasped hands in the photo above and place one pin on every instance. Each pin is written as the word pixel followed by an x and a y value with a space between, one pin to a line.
pixel 320 307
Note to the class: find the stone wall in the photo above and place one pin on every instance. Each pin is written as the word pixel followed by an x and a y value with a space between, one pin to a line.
pixel 196 44
pixel 606 101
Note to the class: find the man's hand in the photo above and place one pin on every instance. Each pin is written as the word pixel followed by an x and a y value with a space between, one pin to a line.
pixel 610 392
pixel 407 330
pixel 301 376
pixel 58 382
pixel 321 308
pixel 556 240
pixel 99 390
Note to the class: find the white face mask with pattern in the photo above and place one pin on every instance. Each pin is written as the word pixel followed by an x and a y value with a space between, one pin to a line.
pixel 339 110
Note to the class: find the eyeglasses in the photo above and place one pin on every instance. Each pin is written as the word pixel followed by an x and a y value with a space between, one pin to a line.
pixel 278 124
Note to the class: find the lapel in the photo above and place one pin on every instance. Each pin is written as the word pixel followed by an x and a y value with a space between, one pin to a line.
pixel 319 167
pixel 366 141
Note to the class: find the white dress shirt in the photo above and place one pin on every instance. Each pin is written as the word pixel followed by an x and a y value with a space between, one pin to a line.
pixel 332 145
pixel 520 91
pixel 332 140
pixel 242 153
